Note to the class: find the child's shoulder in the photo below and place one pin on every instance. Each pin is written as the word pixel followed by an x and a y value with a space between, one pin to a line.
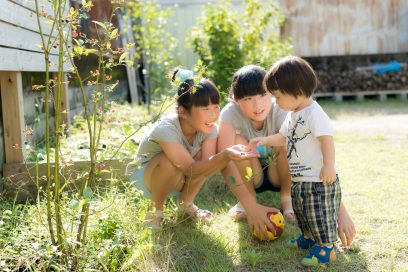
pixel 318 109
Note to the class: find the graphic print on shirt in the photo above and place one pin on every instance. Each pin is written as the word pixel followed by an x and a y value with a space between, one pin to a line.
pixel 293 139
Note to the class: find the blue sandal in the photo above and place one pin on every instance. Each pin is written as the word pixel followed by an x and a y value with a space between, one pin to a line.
pixel 319 255
pixel 302 243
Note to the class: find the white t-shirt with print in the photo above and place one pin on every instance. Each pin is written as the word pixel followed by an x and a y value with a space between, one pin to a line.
pixel 304 152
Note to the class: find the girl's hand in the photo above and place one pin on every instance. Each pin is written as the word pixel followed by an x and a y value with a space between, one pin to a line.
pixel 240 152
pixel 258 219
pixel 345 228
pixel 328 175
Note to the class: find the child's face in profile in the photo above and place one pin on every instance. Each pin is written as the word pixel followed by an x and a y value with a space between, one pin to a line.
pixel 289 102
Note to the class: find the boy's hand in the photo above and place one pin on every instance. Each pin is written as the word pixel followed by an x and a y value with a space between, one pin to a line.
pixel 328 175
pixel 256 142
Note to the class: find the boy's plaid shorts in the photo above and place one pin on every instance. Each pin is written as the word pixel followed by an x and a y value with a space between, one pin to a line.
pixel 316 207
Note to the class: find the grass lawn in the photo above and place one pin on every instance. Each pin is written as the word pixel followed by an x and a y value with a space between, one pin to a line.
pixel 373 172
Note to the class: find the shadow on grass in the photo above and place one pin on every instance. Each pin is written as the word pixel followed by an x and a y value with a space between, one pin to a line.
pixel 186 245
pixel 276 255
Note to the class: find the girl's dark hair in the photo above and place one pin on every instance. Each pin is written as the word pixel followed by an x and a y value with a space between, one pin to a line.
pixel 205 93
pixel 291 75
pixel 247 81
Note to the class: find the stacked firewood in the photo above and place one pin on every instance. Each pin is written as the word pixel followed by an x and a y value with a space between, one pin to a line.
pixel 360 81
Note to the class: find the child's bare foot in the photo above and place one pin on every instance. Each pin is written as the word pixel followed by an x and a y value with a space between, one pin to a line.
pixel 196 213
pixel 289 216
pixel 237 212
pixel 154 219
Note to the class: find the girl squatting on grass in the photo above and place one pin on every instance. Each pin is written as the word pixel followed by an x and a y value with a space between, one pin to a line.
pixel 307 133
pixel 178 153
pixel 252 113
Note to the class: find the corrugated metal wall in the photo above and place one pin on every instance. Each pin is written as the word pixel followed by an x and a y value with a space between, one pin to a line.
pixel 347 27
pixel 318 27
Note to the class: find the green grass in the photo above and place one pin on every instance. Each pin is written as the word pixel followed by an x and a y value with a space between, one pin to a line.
pixel 361 109
pixel 373 172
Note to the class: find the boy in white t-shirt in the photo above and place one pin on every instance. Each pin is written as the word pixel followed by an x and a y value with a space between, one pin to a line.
pixel 307 133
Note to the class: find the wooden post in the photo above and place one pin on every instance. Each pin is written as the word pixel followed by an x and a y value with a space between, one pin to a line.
pixel 13 116
pixel 360 97
pixel 338 97
pixel 382 96
pixel 403 96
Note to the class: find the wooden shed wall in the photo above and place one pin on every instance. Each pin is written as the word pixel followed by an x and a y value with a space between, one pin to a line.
pixel 346 27
pixel 19 36
pixel 318 27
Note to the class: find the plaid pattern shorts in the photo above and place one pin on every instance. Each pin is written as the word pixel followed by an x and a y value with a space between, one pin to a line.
pixel 316 207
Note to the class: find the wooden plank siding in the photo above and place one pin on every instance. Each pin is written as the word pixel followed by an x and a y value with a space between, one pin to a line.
pixel 21 183
pixel 348 27
pixel 24 61
pixel 19 52
pixel 21 16
pixel 19 37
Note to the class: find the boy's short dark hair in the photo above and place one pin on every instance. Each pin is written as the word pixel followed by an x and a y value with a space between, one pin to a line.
pixel 291 75
pixel 247 81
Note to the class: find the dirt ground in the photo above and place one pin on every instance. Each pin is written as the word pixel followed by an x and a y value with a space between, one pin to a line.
pixel 389 126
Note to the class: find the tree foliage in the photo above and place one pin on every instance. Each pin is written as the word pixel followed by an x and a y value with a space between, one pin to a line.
pixel 154 44
pixel 225 40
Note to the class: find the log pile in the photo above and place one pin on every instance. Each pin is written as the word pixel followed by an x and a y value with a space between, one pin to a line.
pixel 357 81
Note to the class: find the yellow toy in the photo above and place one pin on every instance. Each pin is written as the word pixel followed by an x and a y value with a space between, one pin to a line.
pixel 278 223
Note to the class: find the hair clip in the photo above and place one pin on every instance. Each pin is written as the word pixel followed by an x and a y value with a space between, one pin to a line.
pixel 181 76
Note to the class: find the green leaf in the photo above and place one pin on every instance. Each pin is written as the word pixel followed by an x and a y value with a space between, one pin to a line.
pixel 74 204
pixel 126 129
pixel 88 194
pixel 114 34
pixel 89 51
pixel 232 180
pixel 78 50
pixel 123 56
pixel 100 24
pixel 129 62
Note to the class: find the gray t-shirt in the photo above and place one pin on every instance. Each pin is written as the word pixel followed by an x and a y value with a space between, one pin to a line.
pixel 232 115
pixel 167 129
pixel 303 148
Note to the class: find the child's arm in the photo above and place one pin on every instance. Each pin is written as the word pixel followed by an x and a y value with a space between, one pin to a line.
pixel 273 140
pixel 328 172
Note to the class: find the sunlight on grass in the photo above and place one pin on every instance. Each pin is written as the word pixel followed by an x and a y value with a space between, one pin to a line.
pixel 373 173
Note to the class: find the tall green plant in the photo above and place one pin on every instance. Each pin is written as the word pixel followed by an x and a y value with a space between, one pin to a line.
pixel 225 40
pixel 69 240
pixel 154 44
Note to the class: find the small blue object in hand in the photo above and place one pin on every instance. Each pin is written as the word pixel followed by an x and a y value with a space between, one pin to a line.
pixel 263 151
